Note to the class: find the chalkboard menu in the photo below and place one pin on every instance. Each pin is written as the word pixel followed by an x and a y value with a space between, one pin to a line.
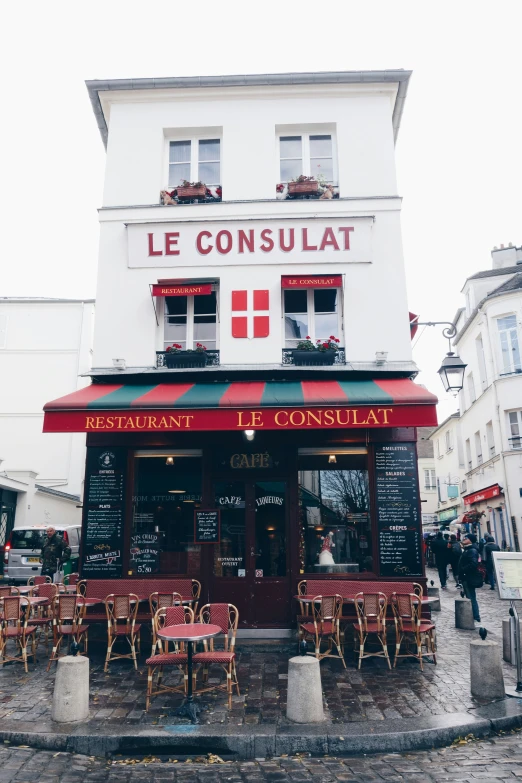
pixel 145 553
pixel 104 506
pixel 206 526
pixel 398 519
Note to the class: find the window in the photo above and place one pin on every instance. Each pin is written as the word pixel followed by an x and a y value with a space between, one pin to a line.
pixel 430 481
pixel 490 439
pixel 449 440
pixel 468 303
pixel 509 347
pixel 464 485
pixel 308 154
pixel 190 320
pixel 313 313
pixel 195 160
pixel 471 389
pixel 468 454
pixel 478 448
pixel 437 442
pixel 515 427
pixel 481 361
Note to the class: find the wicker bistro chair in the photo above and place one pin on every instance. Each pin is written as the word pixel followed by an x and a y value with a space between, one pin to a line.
pixel 166 616
pixel 371 619
pixel 71 579
pixel 121 622
pixel 39 580
pixel 158 601
pixel 43 618
pixel 227 617
pixel 326 612
pixel 16 626
pixel 412 630
pixel 67 624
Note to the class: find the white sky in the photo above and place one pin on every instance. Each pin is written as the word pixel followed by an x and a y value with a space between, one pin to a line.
pixel 459 152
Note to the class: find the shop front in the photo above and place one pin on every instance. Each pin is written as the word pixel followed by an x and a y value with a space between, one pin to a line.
pixel 486 514
pixel 250 487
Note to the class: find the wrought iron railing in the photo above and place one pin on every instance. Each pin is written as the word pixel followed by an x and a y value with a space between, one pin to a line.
pixel 211 356
pixel 288 357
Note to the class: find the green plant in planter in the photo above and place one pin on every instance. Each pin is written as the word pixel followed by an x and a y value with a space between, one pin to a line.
pixel 305 345
pixel 328 345
pixel 177 348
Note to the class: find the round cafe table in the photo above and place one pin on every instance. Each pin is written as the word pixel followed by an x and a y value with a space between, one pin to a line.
pixel 189 633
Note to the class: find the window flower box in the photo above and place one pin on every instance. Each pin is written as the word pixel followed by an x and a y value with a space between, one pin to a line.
pixel 303 186
pixel 191 190
pixel 175 356
pixel 314 358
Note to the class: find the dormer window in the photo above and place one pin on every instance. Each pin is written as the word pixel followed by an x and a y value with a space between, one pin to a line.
pixel 195 160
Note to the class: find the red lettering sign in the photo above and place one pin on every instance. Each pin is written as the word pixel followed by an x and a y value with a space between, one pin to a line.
pixel 484 494
pixel 182 290
pixel 311 281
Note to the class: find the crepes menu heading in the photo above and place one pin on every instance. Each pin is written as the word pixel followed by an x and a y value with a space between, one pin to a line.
pixel 398 518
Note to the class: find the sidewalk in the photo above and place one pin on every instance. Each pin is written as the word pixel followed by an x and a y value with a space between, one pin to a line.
pixel 372 702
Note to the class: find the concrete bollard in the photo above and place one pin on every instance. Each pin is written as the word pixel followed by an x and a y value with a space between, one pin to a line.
pixel 464 614
pixel 434 594
pixel 71 690
pixel 508 640
pixel 305 694
pixel 487 680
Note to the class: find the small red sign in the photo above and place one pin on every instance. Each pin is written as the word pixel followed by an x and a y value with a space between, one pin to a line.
pixel 484 494
pixel 182 290
pixel 311 281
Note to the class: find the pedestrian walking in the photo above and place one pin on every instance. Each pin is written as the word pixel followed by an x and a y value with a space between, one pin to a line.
pixel 489 547
pixel 454 555
pixel 55 552
pixel 439 547
pixel 469 573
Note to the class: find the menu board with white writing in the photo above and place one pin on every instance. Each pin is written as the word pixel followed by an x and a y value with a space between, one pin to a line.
pixel 104 513
pixel 397 502
pixel 206 526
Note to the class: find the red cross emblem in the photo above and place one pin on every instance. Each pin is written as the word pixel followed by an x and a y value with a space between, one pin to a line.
pixel 259 324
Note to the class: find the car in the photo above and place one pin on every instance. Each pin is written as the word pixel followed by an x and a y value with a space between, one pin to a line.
pixel 22 551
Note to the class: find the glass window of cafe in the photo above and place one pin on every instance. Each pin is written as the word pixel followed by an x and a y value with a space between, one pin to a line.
pixel 167 489
pixel 334 514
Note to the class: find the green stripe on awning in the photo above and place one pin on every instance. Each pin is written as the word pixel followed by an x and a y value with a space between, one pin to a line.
pixel 287 393
pixel 121 398
pixel 202 395
pixel 364 393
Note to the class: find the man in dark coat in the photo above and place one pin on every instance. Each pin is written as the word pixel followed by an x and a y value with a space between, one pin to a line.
pixel 54 552
pixel 455 553
pixel 489 547
pixel 439 547
pixel 469 575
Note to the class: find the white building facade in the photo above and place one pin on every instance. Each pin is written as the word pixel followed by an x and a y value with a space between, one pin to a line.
pixel 278 223
pixel 451 482
pixel 489 342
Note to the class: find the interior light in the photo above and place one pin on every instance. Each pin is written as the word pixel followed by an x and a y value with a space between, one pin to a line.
pixel 177 491
pixel 188 501
pixel 332 459
pixel 250 434
pixel 270 527
pixel 170 460
pixel 319 527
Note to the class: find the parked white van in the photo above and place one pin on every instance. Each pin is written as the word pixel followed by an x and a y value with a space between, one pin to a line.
pixel 22 552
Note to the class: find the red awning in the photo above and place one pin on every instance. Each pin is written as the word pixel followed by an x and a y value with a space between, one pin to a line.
pixel 311 281
pixel 493 491
pixel 269 405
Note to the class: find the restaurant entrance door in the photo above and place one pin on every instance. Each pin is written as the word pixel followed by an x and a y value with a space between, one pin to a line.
pixel 250 567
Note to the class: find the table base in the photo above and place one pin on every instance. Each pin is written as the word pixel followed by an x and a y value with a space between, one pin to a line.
pixel 188 710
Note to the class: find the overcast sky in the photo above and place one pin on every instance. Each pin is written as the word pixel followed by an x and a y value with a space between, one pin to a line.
pixel 459 152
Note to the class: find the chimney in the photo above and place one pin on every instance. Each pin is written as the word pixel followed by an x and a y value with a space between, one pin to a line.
pixel 504 256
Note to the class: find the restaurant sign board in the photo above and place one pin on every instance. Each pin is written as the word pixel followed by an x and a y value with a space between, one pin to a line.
pixel 484 494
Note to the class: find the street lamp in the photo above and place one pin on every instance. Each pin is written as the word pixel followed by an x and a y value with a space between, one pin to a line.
pixel 452 368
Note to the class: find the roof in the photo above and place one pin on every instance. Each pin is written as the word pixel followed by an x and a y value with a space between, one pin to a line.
pixel 442 424
pixel 399 76
pixel 424 445
pixel 513 284
pixel 44 299
pixel 57 493
pixel 506 270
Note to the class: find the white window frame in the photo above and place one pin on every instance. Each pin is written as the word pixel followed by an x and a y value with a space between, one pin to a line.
pixel 311 316
pixel 490 437
pixel 514 440
pixel 430 479
pixel 190 340
pixel 512 336
pixel 194 156
pixel 472 392
pixel 478 447
pixel 469 461
pixel 449 441
pixel 305 151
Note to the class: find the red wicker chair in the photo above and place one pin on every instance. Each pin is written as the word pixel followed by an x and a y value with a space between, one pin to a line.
pixel 67 624
pixel 326 611
pixel 121 623
pixel 15 627
pixel 412 630
pixel 44 617
pixel 158 601
pixel 166 616
pixel 39 580
pixel 227 617
pixel 371 619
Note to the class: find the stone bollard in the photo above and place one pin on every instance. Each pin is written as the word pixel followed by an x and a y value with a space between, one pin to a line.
pixel 71 690
pixel 487 680
pixel 434 594
pixel 464 614
pixel 508 640
pixel 305 695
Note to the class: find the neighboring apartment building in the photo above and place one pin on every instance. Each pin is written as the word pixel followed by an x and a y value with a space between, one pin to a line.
pixel 449 469
pixel 278 224
pixel 45 345
pixel 489 341
pixel 427 476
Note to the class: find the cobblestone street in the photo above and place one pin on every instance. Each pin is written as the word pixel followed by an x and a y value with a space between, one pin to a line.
pixel 498 759
pixel 372 694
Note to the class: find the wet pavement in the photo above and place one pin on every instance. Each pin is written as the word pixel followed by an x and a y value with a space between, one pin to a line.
pixel 372 694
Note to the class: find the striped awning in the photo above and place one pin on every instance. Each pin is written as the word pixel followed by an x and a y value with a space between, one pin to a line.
pixel 242 405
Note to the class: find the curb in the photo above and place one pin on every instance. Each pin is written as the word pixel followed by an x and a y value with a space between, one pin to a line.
pixel 266 740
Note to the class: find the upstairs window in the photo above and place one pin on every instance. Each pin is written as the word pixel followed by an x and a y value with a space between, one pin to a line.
pixel 310 154
pixel 190 320
pixel 509 345
pixel 195 160
pixel 449 440
pixel 430 479
pixel 471 389
pixel 515 428
pixel 312 312
pixel 478 447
